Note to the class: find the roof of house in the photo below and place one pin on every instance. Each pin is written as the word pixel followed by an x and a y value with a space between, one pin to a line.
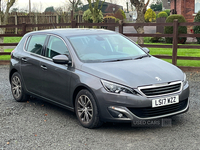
pixel 106 8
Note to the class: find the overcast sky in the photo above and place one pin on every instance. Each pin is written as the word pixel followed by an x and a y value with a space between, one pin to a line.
pixel 56 3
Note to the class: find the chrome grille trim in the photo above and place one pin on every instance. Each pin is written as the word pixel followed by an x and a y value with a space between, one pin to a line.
pixel 160 87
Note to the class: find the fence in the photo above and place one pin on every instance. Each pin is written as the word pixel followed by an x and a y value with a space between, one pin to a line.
pixel 160 29
pixel 38 18
pixel 175 36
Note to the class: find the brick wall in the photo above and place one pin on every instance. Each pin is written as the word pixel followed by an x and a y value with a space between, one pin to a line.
pixel 185 8
pixel 189 10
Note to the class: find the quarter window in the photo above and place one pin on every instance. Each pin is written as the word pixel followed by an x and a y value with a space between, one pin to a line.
pixel 35 44
pixel 56 46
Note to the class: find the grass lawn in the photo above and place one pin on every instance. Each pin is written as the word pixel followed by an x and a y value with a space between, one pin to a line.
pixel 153 51
pixel 6 57
pixel 181 52
pixel 9 40
pixel 12 39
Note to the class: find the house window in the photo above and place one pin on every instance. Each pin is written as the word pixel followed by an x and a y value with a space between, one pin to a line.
pixel 197 6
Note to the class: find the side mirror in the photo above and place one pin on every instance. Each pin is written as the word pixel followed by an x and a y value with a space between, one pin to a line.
pixel 61 59
pixel 146 49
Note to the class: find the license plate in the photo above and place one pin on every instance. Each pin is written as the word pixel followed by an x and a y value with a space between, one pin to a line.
pixel 165 101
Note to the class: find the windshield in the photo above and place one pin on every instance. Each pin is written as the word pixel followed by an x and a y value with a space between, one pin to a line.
pixel 105 47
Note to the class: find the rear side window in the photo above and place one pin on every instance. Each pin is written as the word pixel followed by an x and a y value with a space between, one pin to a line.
pixel 35 43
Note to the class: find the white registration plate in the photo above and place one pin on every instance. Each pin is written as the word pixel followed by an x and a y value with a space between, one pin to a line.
pixel 165 101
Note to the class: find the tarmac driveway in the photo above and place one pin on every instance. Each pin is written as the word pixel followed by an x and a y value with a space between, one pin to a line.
pixel 39 125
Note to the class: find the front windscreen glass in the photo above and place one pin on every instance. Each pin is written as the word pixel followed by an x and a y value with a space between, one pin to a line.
pixel 105 47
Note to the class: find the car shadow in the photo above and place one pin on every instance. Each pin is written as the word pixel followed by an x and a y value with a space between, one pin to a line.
pixel 107 126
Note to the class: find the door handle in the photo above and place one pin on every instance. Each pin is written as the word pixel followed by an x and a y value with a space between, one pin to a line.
pixel 44 67
pixel 24 60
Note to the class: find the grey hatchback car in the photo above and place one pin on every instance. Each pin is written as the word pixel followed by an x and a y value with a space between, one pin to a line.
pixel 101 75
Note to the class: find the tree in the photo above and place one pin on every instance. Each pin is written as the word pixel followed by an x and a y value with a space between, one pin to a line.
pixel 87 16
pixel 50 9
pixel 95 10
pixel 75 4
pixel 141 9
pixel 9 4
pixel 23 10
pixel 59 10
pixel 157 6
pixel 14 10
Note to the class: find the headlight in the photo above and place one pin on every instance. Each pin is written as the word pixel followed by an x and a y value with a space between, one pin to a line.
pixel 116 88
pixel 184 79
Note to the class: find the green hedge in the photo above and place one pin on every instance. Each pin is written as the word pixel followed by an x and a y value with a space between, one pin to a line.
pixel 167 11
pixel 150 15
pixel 181 29
pixel 162 14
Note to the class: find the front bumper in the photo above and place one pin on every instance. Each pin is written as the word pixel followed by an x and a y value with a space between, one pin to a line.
pixel 126 107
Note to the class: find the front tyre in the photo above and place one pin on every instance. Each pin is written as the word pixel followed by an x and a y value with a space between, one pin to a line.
pixel 17 88
pixel 86 110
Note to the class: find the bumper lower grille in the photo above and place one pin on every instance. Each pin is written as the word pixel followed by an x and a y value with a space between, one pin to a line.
pixel 161 90
pixel 158 111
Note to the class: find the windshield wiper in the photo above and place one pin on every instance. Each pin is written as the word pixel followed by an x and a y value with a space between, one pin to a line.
pixel 113 60
pixel 140 57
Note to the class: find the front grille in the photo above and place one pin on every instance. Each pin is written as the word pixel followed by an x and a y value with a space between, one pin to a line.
pixel 161 90
pixel 158 111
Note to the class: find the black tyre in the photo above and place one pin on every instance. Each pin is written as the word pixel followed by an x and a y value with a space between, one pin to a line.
pixel 17 88
pixel 86 110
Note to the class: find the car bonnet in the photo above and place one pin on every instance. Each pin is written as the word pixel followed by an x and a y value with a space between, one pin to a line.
pixel 134 73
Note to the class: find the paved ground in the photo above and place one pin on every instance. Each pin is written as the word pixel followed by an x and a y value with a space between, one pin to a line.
pixel 39 125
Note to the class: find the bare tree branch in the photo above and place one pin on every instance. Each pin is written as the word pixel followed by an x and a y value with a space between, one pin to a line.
pixel 9 5
pixel 75 4
pixel 5 21
pixel 147 3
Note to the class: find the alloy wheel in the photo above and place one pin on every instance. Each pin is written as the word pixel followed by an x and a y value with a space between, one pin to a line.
pixel 85 109
pixel 16 87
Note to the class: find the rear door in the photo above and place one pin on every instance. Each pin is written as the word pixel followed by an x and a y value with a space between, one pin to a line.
pixel 56 77
pixel 30 63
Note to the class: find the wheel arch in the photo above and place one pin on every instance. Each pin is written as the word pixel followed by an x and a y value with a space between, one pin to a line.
pixel 78 89
pixel 11 73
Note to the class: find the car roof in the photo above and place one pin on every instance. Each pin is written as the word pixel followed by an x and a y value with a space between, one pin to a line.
pixel 74 31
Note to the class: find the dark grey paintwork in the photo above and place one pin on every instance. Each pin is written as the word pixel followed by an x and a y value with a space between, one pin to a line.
pixel 59 84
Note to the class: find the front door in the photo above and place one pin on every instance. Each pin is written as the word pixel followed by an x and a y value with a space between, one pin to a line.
pixel 56 77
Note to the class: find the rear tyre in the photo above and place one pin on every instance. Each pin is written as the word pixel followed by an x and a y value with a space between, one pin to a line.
pixel 86 110
pixel 17 88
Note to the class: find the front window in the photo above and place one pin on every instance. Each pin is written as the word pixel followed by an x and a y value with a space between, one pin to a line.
pixel 56 46
pixel 197 6
pixel 105 47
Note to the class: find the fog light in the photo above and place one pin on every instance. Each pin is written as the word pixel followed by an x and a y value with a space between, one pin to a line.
pixel 115 112
pixel 120 115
